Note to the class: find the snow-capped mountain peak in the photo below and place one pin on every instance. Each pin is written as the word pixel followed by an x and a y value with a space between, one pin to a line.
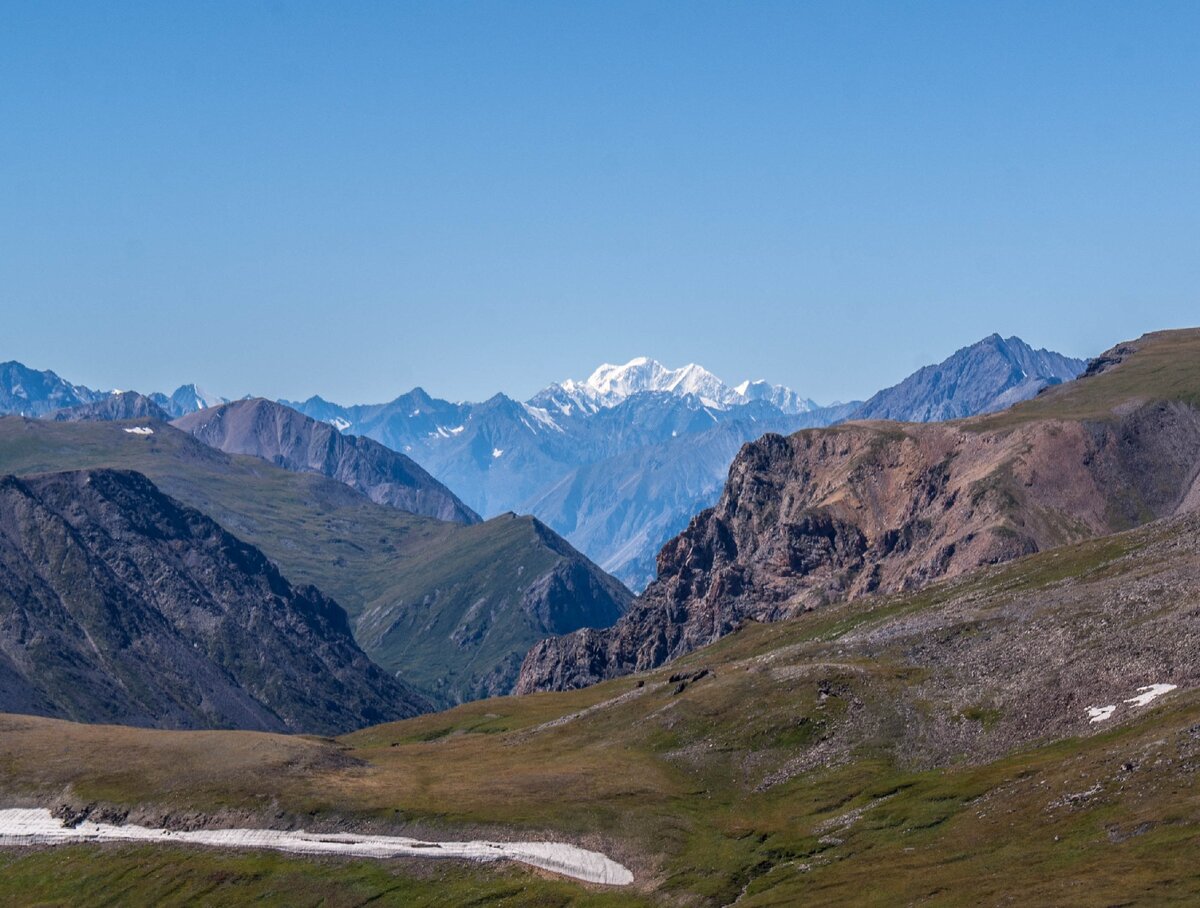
pixel 784 398
pixel 611 384
pixel 194 396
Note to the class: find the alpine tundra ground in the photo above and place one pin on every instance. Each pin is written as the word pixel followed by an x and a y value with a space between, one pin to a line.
pixel 936 747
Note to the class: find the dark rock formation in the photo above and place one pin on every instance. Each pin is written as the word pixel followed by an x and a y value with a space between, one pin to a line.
pixel 118 604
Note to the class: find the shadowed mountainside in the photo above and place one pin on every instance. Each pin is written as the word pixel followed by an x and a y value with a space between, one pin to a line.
pixel 120 605
pixel 485 592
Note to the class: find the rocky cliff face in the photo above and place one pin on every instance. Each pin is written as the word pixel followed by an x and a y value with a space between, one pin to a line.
pixel 118 604
pixel 289 439
pixel 847 511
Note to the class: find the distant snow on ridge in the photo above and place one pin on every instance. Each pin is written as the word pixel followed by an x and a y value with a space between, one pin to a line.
pixel 611 384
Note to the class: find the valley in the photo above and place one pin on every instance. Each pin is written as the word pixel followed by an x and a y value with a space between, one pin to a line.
pixel 897 747
pixel 407 582
pixel 599 455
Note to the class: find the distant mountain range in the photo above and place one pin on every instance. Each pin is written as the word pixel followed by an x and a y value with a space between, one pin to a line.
pixel 875 508
pixel 27 392
pixel 187 399
pixel 618 462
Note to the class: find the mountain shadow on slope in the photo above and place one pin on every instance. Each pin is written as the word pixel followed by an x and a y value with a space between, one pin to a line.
pixel 120 605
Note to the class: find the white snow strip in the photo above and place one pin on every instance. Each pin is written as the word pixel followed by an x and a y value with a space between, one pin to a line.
pixel 38 827
pixel 496 452
pixel 1150 692
pixel 140 430
pixel 340 424
pixel 1100 713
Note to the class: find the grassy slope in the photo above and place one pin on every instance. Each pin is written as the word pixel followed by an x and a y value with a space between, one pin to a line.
pixel 1166 367
pixel 367 556
pixel 675 784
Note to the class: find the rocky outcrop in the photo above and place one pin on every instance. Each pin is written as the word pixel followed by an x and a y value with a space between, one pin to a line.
pixel 861 508
pixel 119 605
pixel 263 428
pixel 123 405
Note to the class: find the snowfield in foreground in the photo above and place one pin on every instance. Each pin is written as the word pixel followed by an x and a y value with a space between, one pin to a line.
pixel 37 826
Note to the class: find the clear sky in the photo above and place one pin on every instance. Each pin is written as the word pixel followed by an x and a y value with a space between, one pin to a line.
pixel 354 198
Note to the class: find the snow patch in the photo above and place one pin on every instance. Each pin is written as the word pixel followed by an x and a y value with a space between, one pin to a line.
pixel 1100 713
pixel 542 416
pixel 1150 692
pixel 1144 696
pixel 340 424
pixel 497 452
pixel 140 430
pixel 38 827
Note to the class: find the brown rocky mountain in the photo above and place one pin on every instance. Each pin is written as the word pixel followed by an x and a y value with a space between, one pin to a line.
pixel 839 513
pixel 287 438
pixel 120 605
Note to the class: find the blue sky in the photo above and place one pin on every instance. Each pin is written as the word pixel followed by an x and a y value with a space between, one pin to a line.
pixel 352 199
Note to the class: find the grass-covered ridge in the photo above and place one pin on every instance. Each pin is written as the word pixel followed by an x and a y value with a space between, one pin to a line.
pixel 931 745
pixel 1160 366
pixel 408 582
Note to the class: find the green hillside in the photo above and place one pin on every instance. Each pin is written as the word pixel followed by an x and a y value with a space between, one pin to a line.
pixel 443 604
pixel 1166 367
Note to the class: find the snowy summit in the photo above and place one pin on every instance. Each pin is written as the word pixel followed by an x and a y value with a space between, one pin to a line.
pixel 611 384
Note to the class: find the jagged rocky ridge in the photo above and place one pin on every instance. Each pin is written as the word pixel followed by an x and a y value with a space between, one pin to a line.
pixel 28 392
pixel 120 605
pixel 859 508
pixel 987 376
pixel 263 428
